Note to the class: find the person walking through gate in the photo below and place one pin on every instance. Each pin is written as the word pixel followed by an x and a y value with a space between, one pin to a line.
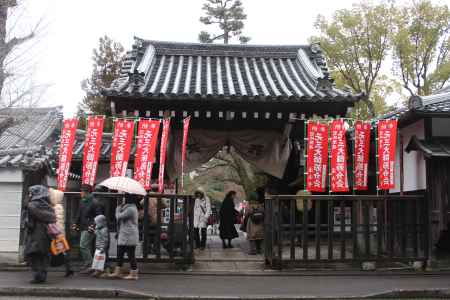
pixel 39 214
pixel 255 223
pixel 128 236
pixel 89 209
pixel 228 215
pixel 202 211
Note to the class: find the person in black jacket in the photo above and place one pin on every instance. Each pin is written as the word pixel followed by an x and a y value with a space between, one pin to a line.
pixel 89 209
pixel 228 215
pixel 39 213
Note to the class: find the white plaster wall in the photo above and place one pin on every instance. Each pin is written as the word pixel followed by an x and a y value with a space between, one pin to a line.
pixel 10 210
pixel 413 162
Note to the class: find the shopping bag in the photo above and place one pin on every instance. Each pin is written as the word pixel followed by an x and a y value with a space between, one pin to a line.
pixel 59 245
pixel 54 230
pixel 98 263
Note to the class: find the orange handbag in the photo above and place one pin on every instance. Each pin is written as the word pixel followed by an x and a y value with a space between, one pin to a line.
pixel 59 245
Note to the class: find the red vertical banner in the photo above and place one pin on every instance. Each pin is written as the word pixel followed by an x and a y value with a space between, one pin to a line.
pixel 339 176
pixel 317 157
pixel 361 155
pixel 121 146
pixel 65 151
pixel 162 153
pixel 145 151
pixel 186 123
pixel 92 145
pixel 387 142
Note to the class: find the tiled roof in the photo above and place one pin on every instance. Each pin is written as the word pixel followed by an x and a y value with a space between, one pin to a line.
pixel 430 148
pixel 26 141
pixel 155 69
pixel 437 103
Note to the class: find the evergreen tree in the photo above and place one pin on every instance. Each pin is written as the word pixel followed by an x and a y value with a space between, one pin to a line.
pixel 228 15
pixel 107 61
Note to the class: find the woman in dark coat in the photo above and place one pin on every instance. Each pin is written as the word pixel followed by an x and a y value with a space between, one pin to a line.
pixel 227 217
pixel 39 213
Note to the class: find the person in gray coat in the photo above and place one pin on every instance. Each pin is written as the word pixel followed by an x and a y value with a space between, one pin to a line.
pixel 127 220
pixel 39 213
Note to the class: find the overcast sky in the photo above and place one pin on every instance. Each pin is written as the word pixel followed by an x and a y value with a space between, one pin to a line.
pixel 73 29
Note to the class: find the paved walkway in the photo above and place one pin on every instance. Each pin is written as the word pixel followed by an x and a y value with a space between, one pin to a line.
pixel 241 286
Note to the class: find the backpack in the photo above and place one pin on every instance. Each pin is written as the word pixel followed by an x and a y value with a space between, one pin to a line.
pixel 257 217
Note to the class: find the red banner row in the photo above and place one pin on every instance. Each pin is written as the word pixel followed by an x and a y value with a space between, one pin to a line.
pixel 146 141
pixel 317 155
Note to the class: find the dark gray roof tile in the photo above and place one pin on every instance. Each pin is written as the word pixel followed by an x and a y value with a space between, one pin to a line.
pixel 169 69
pixel 26 142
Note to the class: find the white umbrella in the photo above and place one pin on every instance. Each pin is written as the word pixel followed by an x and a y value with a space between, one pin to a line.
pixel 124 184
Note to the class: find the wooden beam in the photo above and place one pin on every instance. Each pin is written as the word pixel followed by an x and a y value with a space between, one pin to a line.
pixel 113 108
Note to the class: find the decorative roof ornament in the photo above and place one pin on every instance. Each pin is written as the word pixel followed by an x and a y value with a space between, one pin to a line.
pixel 136 79
pixel 138 43
pixel 324 84
pixel 415 102
pixel 319 59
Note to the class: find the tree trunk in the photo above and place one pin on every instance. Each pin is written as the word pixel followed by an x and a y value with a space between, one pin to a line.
pixel 226 37
pixel 4 6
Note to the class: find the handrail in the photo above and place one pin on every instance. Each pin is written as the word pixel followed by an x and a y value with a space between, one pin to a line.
pixel 150 195
pixel 345 197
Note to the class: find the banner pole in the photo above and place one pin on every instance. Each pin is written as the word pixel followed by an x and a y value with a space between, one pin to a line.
pixel 353 141
pixel 376 157
pixel 329 156
pixel 305 155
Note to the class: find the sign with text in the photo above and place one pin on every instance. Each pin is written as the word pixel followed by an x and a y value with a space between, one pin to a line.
pixel 317 157
pixel 387 142
pixel 145 150
pixel 339 177
pixel 186 123
pixel 162 154
pixel 92 145
pixel 65 151
pixel 361 155
pixel 121 146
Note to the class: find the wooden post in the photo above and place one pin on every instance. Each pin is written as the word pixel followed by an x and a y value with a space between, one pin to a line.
pixel 402 174
pixel 146 228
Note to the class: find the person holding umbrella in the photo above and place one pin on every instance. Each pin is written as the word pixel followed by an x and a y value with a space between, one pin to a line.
pixel 127 217
pixel 128 236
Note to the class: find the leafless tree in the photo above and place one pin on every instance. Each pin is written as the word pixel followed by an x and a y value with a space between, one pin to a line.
pixel 17 57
